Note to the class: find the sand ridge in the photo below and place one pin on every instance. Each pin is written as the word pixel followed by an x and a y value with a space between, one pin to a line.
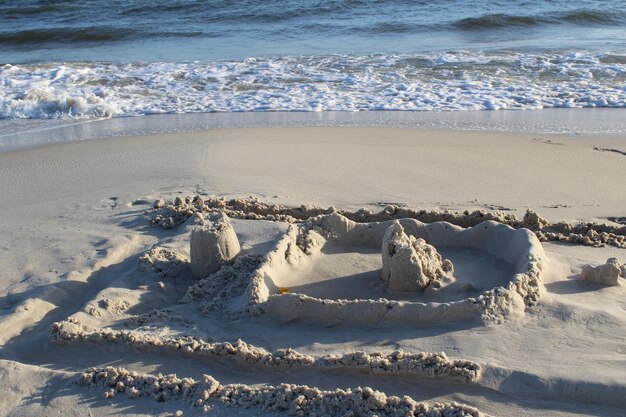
pixel 423 364
pixel 297 400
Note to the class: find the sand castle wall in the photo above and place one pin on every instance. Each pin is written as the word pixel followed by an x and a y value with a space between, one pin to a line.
pixel 298 400
pixel 590 234
pixel 424 364
pixel 499 240
pixel 285 254
pixel 519 248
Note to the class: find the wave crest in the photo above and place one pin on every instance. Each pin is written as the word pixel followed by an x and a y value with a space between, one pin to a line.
pixel 500 20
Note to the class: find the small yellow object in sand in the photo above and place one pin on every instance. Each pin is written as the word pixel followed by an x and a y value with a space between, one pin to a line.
pixel 283 290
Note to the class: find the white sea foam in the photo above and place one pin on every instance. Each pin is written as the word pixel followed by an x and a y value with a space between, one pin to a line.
pixel 442 81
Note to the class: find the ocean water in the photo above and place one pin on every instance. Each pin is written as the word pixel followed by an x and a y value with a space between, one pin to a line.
pixel 92 59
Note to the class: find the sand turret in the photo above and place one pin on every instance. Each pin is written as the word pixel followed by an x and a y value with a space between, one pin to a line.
pixel 213 244
pixel 409 263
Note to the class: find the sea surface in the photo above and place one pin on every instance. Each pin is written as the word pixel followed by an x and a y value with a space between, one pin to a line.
pixel 93 59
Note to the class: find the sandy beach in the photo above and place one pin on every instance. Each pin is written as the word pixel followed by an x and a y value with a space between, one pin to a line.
pixel 75 221
pixel 352 208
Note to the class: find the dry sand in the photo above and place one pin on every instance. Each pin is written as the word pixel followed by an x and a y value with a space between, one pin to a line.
pixel 73 231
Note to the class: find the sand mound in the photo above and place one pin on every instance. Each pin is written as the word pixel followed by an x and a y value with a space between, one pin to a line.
pixel 519 248
pixel 607 274
pixel 171 214
pixel 163 261
pixel 298 400
pixel 228 282
pixel 410 264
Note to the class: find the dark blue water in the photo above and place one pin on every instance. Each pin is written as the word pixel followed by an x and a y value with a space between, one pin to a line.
pixel 175 30
pixel 85 59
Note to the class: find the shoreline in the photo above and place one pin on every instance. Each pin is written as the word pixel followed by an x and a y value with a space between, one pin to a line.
pixel 426 169
pixel 31 133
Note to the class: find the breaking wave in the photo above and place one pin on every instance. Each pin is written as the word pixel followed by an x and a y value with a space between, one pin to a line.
pixel 341 82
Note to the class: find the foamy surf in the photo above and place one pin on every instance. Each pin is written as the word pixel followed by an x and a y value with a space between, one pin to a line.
pixel 340 82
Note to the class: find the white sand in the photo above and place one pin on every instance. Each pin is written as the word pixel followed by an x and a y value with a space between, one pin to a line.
pixel 72 232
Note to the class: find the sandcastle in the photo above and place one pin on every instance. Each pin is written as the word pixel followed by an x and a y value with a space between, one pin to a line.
pixel 322 270
pixel 415 284
pixel 518 248
pixel 393 271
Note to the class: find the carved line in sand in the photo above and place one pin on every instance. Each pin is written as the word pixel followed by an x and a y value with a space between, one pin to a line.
pixel 519 248
pixel 171 214
pixel 298 400
pixel 425 364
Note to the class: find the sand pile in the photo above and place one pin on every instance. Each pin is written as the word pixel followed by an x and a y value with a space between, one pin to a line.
pixel 228 282
pixel 239 351
pixel 163 261
pixel 434 365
